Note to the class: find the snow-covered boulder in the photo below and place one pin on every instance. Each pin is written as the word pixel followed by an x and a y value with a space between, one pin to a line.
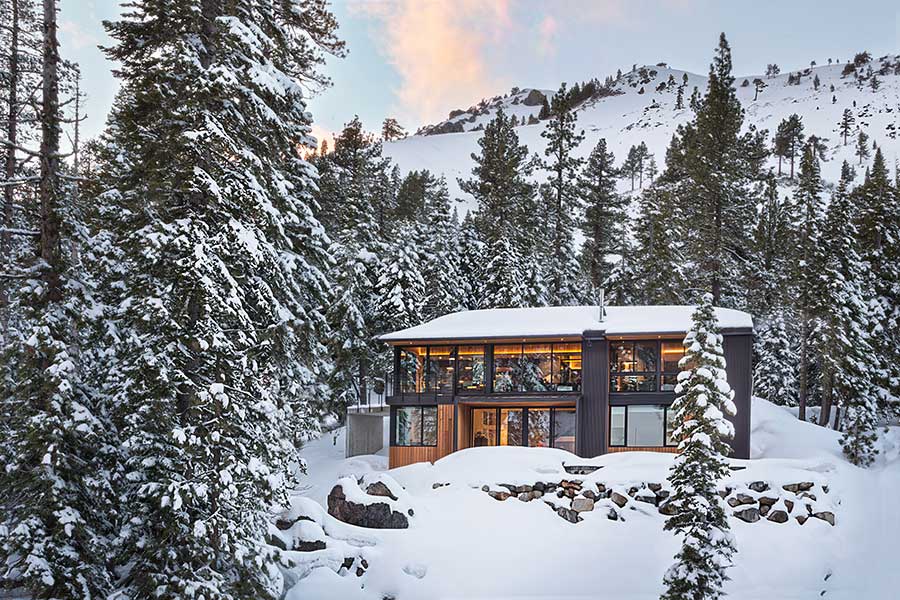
pixel 381 504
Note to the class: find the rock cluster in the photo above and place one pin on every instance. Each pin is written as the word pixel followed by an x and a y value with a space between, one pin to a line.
pixel 376 515
pixel 750 503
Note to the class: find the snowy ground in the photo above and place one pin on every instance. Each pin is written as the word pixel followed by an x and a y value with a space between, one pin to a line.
pixel 463 544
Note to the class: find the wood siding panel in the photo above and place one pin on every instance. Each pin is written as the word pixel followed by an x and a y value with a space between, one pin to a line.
pixel 739 370
pixel 400 456
pixel 593 405
pixel 665 450
pixel 445 430
pixel 464 427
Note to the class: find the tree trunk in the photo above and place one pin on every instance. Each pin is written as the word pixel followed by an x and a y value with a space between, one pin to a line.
pixel 10 170
pixel 804 366
pixel 49 245
pixel 827 395
pixel 837 417
pixel 363 387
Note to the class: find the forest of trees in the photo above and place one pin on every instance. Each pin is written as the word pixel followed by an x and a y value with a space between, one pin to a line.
pixel 185 299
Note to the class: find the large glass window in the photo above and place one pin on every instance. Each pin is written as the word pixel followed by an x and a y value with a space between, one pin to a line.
pixel 470 369
pixel 564 429
pixel 484 427
pixel 412 369
pixel 506 368
pixel 539 427
pixel 415 426
pixel 672 352
pixel 535 427
pixel 511 425
pixel 441 367
pixel 535 367
pixel 641 425
pixel 566 367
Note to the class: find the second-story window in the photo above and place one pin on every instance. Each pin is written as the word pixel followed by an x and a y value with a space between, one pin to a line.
pixel 470 368
pixel 633 366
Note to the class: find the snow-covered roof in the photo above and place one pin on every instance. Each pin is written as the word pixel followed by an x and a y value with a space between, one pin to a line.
pixel 562 321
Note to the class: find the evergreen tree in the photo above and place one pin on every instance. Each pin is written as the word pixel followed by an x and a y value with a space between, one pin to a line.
pixel 850 369
pixel 862 146
pixel 445 291
pixel 789 139
pixel 805 266
pixel 223 287
pixel 472 253
pixel 659 273
pixel 604 213
pixel 503 277
pixel 702 399
pixel 774 375
pixel 392 130
pixel 400 290
pixel 562 199
pixel 772 245
pixel 846 124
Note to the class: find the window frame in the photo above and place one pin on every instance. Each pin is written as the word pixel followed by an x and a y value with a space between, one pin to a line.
pixel 553 368
pixel 395 420
pixel 666 408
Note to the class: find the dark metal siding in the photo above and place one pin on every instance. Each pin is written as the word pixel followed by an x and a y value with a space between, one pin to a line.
pixel 739 366
pixel 593 404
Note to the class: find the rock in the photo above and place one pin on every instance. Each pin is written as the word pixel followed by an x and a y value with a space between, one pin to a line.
pixel 523 489
pixel 377 515
pixel 560 493
pixel 499 495
pixel 789 504
pixel 667 509
pixel 589 494
pixel 808 495
pixel 654 487
pixel 568 514
pixel 485 488
pixel 825 488
pixel 435 486
pixel 767 500
pixel 750 515
pixel 764 509
pixel 511 488
pixel 524 496
pixel 537 494
pixel 740 500
pixel 360 571
pixel 570 492
pixel 364 563
pixel 612 515
pixel 275 540
pixel 778 516
pixel 534 98
pixel 348 562
pixel 538 486
pixel 826 516
pixel 632 491
pixel 646 496
pixel 759 486
pixel 582 504
pixel 618 499
pixel 455 113
pixel 601 488
pixel 802 519
pixel 305 546
pixel 805 486
pixel 379 488
pixel 410 512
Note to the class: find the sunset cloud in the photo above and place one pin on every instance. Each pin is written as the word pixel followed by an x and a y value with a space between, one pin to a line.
pixel 440 50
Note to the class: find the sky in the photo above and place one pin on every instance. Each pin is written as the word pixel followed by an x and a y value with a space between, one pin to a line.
pixel 415 60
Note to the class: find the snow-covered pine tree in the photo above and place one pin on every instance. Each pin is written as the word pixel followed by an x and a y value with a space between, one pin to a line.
pixel 604 213
pixel 445 291
pixel 503 278
pixel 769 279
pixel 878 223
pixel 222 283
pixel 472 254
pixel 702 399
pixel 58 449
pixel 806 264
pixel 400 289
pixel 774 375
pixel 850 367
pixel 562 201
pixel 659 273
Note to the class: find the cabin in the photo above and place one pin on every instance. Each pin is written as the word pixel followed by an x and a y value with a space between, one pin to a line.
pixel 586 379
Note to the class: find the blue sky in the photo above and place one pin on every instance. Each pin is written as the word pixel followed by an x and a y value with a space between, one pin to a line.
pixel 418 59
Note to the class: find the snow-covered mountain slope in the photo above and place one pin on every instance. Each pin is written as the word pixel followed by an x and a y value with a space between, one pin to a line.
pixel 642 112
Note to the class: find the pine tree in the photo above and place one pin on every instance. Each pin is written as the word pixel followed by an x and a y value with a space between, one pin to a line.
pixel 503 277
pixel 774 375
pixel 789 139
pixel 604 213
pixel 846 124
pixel 758 86
pixel 562 197
pixel 223 275
pixel 659 273
pixel 806 264
pixel 702 399
pixel 472 255
pixel 862 146
pixel 392 130
pixel 878 226
pixel 400 289
pixel 850 369
pixel 440 263
pixel 771 248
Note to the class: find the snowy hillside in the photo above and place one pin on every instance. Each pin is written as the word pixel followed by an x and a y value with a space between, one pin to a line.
pixel 644 110
pixel 462 543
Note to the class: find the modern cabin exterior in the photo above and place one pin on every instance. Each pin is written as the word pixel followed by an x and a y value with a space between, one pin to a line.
pixel 563 377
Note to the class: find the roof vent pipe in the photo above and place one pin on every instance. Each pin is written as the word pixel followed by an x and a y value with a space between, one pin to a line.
pixel 601 308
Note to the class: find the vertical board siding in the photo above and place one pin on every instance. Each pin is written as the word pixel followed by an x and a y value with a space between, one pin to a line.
pixel 739 369
pixel 593 405
pixel 445 430
pixel 400 456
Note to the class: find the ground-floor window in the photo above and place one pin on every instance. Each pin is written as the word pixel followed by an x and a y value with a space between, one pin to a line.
pixel 415 426
pixel 641 425
pixel 534 427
